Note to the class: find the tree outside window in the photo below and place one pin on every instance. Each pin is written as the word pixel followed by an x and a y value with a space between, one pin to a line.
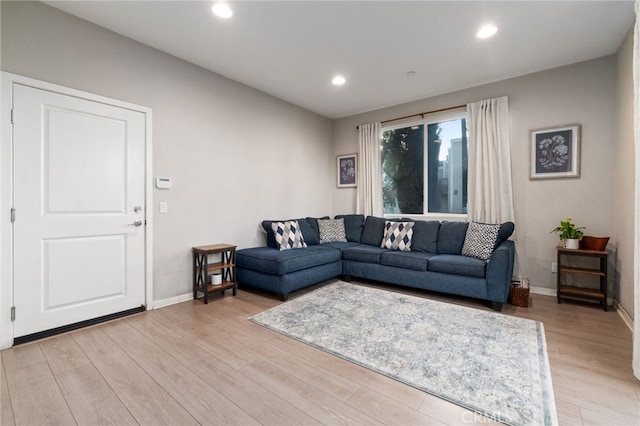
pixel 431 155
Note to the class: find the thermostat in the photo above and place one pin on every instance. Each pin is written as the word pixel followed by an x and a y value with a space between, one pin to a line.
pixel 163 183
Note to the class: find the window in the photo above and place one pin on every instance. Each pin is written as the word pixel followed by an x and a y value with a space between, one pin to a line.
pixel 424 166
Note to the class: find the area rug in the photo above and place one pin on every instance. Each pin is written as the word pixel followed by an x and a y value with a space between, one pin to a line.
pixel 487 362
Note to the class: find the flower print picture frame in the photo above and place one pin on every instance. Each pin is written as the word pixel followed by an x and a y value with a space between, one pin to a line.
pixel 347 171
pixel 555 152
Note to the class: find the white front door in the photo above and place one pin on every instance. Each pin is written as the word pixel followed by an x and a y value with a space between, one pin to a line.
pixel 79 194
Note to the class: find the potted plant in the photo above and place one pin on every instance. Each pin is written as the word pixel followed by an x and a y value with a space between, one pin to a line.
pixel 569 233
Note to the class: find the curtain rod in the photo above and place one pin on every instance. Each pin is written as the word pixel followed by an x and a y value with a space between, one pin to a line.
pixel 422 114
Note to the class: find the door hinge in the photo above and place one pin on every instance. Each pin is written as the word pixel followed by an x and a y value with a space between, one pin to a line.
pixel 13 215
pixel 12 119
pixel 13 313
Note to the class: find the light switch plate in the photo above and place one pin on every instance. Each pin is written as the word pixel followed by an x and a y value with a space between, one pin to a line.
pixel 164 207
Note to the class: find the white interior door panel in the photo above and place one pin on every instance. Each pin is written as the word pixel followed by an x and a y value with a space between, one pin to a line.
pixel 79 174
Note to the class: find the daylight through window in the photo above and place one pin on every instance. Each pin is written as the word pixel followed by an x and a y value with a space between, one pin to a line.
pixel 424 166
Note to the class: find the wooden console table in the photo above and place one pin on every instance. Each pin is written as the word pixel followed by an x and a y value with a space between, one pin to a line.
pixel 202 269
pixel 593 294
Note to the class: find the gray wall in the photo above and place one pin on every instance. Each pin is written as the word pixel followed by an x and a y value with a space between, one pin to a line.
pixel 582 93
pixel 624 185
pixel 236 155
pixel 224 143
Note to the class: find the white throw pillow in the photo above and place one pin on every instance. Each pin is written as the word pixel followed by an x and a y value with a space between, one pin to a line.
pixel 332 230
pixel 397 235
pixel 480 240
pixel 288 235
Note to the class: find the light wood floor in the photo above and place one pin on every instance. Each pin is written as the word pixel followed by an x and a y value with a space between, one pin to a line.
pixel 192 363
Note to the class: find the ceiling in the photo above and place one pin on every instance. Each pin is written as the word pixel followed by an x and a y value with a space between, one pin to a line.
pixel 292 49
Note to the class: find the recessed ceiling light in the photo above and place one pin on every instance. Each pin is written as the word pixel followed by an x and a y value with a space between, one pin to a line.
pixel 338 80
pixel 486 31
pixel 411 73
pixel 221 10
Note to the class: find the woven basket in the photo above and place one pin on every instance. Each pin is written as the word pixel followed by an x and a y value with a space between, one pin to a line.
pixel 519 293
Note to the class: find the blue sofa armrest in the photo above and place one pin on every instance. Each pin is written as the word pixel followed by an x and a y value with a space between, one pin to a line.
pixel 499 271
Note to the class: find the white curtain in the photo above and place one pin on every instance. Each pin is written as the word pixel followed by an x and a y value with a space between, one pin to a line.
pixel 636 260
pixel 369 193
pixel 489 183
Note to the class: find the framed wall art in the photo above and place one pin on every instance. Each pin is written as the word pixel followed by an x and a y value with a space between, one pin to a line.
pixel 347 170
pixel 555 152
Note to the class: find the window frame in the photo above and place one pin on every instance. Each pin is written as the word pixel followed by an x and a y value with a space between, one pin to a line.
pixel 426 120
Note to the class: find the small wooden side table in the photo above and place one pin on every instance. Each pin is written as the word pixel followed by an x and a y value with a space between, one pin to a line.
pixel 594 294
pixel 202 269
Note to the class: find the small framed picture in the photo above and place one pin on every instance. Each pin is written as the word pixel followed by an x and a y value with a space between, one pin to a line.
pixel 555 152
pixel 347 170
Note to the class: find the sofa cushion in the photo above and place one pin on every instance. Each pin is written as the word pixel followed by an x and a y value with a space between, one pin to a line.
pixel 506 229
pixel 341 245
pixel 313 230
pixel 332 230
pixel 397 236
pixel 363 253
pixel 451 237
pixel 408 260
pixel 373 231
pixel 288 235
pixel 480 240
pixel 457 265
pixel 353 225
pixel 271 261
pixel 425 236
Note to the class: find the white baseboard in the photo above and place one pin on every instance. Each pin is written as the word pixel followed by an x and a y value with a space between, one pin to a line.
pixel 172 300
pixel 543 290
pixel 537 290
pixel 625 316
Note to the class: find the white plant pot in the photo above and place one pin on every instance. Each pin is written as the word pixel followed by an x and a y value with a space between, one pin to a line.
pixel 572 243
pixel 216 278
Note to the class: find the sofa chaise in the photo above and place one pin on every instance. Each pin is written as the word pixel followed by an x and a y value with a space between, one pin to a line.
pixel 459 258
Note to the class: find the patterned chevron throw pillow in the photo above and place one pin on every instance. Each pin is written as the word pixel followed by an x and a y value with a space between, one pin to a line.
pixel 332 230
pixel 288 235
pixel 397 235
pixel 480 240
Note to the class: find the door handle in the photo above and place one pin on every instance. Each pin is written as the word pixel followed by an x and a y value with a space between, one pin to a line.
pixel 136 223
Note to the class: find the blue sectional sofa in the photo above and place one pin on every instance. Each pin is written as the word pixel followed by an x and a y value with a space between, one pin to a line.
pixel 435 261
